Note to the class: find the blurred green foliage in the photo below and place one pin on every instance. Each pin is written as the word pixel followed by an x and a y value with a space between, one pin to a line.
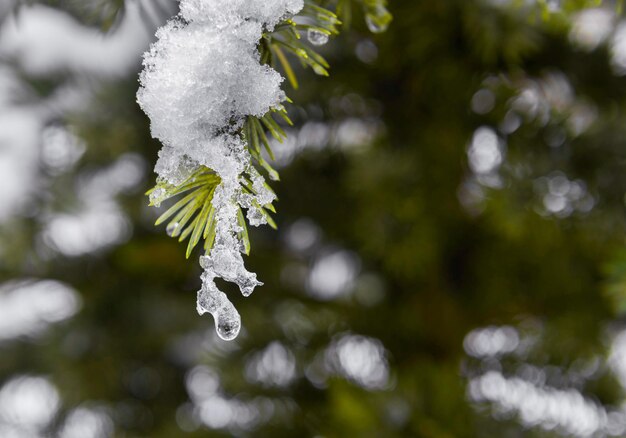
pixel 442 249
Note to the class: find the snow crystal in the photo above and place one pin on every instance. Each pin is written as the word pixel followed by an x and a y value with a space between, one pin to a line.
pixel 220 13
pixel 201 79
pixel 157 196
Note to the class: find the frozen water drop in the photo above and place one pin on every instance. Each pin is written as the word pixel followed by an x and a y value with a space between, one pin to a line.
pixel 374 25
pixel 316 37
pixel 156 197
pixel 228 324
pixel 378 20
pixel 172 229
pixel 208 301
pixel 247 283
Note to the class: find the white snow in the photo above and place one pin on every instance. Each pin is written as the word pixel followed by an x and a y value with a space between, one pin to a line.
pixel 42 40
pixel 201 79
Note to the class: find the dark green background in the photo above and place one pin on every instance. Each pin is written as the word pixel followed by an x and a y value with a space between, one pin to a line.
pixel 439 269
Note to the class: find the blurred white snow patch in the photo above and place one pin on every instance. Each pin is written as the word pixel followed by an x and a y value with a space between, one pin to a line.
pixel 361 359
pixel 302 235
pixel 471 195
pixel 44 40
pixel 356 133
pixel 333 274
pixel 591 27
pixel 352 134
pixel 483 101
pixel 618 49
pixel 100 222
pixel 29 404
pixel 367 51
pixel 19 136
pixel 87 422
pixel 491 341
pixel 485 151
pixel 582 116
pixel 217 412
pixel 273 366
pixel 561 196
pixel 617 357
pixel 60 149
pixel 563 410
pixel 552 5
pixel 10 431
pixel 209 406
pixel 10 86
pixel 99 226
pixel 202 382
pixel 28 307
pixel 5 8
pixel 121 176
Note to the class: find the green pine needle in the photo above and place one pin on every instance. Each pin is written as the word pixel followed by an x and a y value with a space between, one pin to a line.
pixel 192 216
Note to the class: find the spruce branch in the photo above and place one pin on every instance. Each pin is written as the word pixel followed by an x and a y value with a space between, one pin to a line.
pixel 192 216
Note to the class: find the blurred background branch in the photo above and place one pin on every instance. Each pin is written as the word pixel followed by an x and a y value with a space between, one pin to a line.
pixel 449 259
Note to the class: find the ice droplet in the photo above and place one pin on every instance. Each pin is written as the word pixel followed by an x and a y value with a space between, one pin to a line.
pixel 378 20
pixel 316 37
pixel 156 197
pixel 213 301
pixel 228 325
pixel 172 228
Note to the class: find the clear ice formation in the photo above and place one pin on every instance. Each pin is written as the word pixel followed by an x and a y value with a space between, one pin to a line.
pixel 317 38
pixel 201 79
